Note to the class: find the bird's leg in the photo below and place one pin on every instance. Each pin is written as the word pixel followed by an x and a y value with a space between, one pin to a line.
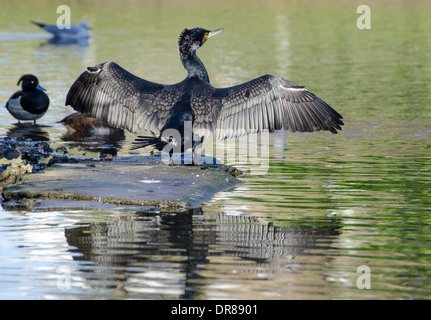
pixel 171 160
pixel 194 156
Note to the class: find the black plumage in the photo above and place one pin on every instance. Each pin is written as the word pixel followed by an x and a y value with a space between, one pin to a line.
pixel 31 102
pixel 268 103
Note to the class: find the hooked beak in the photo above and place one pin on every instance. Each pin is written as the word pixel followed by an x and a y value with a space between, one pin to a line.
pixel 213 33
pixel 39 87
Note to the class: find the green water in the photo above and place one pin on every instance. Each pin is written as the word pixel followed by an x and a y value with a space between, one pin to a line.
pixel 328 203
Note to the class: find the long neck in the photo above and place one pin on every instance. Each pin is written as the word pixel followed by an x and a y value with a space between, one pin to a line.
pixel 195 67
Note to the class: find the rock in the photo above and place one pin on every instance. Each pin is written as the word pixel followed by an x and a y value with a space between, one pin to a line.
pixel 121 181
pixel 125 183
pixel 24 153
pixel 15 171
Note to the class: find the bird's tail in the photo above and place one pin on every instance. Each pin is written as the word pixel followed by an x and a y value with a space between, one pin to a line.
pixel 145 141
pixel 38 23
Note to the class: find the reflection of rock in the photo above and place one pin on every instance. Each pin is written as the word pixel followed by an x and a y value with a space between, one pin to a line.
pixel 92 134
pixel 161 255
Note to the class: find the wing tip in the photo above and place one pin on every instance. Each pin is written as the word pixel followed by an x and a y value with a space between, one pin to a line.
pixel 98 67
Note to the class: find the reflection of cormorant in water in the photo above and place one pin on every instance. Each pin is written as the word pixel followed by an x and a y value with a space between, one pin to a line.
pixel 28 131
pixel 92 134
pixel 130 248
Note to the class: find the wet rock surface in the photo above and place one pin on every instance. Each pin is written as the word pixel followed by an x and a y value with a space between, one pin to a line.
pixel 21 156
pixel 58 181
pixel 14 171
pixel 150 185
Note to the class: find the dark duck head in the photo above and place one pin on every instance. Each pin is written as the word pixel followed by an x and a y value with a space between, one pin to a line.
pixel 31 102
pixel 29 83
pixel 189 42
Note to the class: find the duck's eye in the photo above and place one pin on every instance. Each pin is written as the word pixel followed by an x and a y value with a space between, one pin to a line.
pixel 32 81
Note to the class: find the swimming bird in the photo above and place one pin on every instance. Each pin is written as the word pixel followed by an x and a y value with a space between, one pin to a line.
pixel 75 32
pixel 84 125
pixel 31 102
pixel 193 107
pixel 88 133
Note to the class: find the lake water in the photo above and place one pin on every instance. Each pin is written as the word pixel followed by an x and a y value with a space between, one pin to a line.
pixel 344 216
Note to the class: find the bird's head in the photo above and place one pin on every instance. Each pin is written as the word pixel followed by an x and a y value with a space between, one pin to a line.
pixel 84 25
pixel 192 39
pixel 29 83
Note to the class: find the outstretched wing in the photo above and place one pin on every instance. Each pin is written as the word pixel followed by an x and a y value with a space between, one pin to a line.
pixel 266 103
pixel 121 99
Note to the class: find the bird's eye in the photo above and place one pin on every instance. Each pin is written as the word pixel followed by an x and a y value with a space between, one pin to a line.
pixel 206 36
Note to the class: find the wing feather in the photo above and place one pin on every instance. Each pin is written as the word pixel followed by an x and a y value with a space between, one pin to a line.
pixel 268 103
pixel 123 100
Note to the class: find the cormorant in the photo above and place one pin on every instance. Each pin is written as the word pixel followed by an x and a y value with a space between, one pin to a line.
pixel 31 102
pixel 268 103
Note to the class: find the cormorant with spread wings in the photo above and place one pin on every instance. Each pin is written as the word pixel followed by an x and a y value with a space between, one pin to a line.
pixel 268 103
